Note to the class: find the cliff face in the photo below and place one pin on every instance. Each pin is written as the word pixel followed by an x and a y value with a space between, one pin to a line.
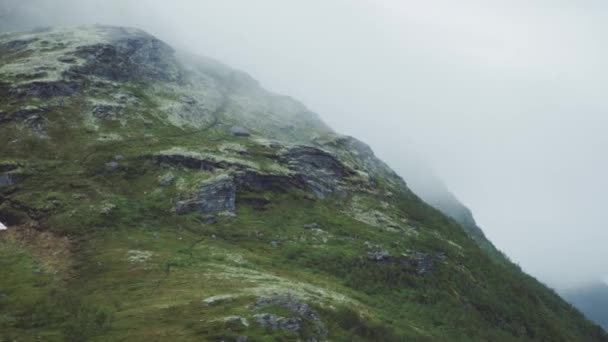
pixel 157 195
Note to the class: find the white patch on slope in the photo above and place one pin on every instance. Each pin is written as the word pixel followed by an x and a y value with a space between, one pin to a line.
pixel 2 226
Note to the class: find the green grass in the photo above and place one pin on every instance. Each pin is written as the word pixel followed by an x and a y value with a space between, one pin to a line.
pixel 138 271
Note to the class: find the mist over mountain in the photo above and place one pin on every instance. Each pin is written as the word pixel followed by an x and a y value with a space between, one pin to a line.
pixel 592 300
pixel 503 99
pixel 150 194
pixel 131 167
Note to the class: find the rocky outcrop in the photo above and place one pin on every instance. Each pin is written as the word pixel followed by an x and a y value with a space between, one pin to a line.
pixel 47 89
pixel 379 255
pixel 9 174
pixel 361 156
pixel 323 173
pixel 31 116
pixel 303 312
pixel 255 181
pixel 307 168
pixel 274 322
pixel 130 55
pixel 215 195
pixel 418 262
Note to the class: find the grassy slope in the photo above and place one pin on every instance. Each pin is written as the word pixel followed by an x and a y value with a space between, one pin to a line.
pixel 132 270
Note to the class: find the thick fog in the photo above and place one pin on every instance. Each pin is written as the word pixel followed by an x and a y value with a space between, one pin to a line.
pixel 505 100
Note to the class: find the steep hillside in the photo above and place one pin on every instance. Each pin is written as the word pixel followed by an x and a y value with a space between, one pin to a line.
pixel 431 189
pixel 151 196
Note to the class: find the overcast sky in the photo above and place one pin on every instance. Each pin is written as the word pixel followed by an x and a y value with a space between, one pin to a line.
pixel 505 99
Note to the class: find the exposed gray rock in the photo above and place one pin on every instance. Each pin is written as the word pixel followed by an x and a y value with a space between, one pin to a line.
pixel 7 180
pixel 274 322
pixel 423 262
pixel 323 173
pixel 379 256
pixel 111 166
pixel 17 44
pixel 311 226
pixel 107 111
pixel 256 181
pixel 131 55
pixel 215 195
pixel 239 131
pixel 31 116
pixel 48 89
pixel 301 309
pixel 196 161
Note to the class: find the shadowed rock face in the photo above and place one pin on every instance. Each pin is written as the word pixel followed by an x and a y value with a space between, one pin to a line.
pixel 323 172
pixel 67 87
pixel 214 196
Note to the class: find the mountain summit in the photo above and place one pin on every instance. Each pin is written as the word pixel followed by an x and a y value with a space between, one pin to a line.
pixel 153 195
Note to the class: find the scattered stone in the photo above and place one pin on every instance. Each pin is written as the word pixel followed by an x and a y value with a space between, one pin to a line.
pixel 237 320
pixel 311 226
pixel 166 179
pixel 379 256
pixel 291 303
pixel 111 166
pixel 422 261
pixel 216 195
pixel 119 157
pixel 274 322
pixel 274 243
pixel 215 300
pixel 239 131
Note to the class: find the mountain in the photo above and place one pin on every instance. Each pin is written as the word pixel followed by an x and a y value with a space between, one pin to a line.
pixel 154 195
pixel 431 189
pixel 592 300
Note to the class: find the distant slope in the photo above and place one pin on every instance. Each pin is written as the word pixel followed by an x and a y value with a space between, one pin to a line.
pixel 592 300
pixel 431 189
pixel 154 196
